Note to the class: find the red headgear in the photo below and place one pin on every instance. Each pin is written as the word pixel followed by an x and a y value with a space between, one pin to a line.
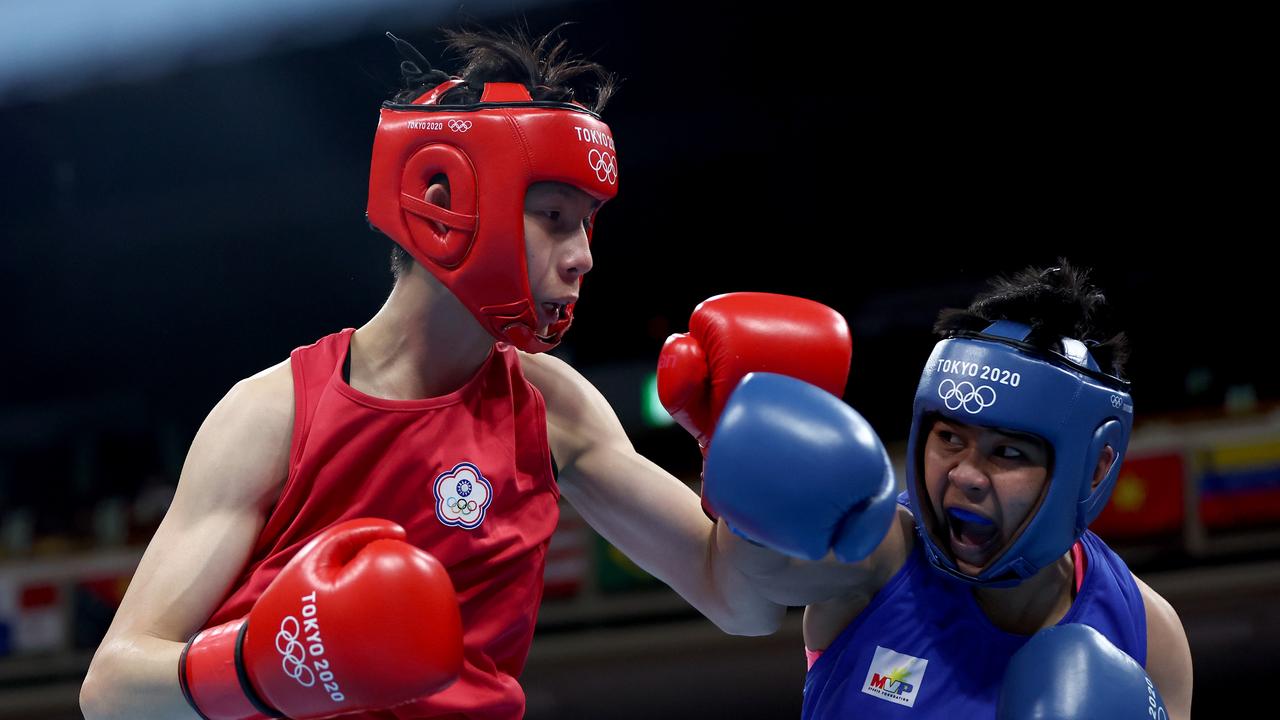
pixel 491 152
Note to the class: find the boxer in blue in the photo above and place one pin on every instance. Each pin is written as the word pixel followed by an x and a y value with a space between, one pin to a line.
pixel 979 592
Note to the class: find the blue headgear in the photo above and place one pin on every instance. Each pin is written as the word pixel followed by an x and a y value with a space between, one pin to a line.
pixel 995 379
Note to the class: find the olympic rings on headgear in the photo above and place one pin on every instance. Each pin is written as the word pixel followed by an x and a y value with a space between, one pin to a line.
pixel 964 395
pixel 604 165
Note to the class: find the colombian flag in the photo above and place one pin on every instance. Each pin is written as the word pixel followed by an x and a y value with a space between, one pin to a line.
pixel 1240 485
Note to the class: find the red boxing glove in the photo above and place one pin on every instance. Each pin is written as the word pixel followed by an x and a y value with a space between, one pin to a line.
pixel 739 333
pixel 358 620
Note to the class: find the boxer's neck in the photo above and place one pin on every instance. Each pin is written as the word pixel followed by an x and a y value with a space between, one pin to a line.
pixel 1034 604
pixel 422 343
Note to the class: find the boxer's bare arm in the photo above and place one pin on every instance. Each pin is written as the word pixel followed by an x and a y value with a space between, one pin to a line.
pixel 1168 653
pixel 826 615
pixel 648 514
pixel 795 582
pixel 233 473
pixel 658 522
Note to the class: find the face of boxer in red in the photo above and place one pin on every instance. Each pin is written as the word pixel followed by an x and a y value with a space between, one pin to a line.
pixel 520 143
pixel 557 249
pixel 983 484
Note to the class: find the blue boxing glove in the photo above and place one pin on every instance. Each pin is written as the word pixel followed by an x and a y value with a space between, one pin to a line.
pixel 1071 671
pixel 793 468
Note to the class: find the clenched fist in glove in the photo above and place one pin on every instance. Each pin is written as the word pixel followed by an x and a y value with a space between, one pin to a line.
pixel 358 620
pixel 739 333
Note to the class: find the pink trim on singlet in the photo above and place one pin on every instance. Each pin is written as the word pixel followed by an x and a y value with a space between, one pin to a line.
pixel 1081 562
pixel 1078 558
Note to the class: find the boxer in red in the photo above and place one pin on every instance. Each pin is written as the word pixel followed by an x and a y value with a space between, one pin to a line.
pixel 332 505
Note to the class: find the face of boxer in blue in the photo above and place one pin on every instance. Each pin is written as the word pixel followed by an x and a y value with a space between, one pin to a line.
pixel 984 484
pixel 1076 416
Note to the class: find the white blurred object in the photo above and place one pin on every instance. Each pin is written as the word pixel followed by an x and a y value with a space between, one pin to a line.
pixel 41 629
pixel 16 531
pixel 111 522
pixel 52 47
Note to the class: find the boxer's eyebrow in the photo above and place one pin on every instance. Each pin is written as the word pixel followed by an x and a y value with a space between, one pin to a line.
pixel 573 195
pixel 1024 437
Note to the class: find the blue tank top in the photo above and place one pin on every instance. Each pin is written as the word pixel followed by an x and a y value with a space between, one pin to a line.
pixel 924 649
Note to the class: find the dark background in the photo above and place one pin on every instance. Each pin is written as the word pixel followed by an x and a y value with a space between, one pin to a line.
pixel 165 237
pixel 181 220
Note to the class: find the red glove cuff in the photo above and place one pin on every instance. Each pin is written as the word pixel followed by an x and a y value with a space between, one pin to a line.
pixel 212 678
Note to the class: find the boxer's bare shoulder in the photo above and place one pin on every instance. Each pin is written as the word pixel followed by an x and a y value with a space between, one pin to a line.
pixel 824 621
pixel 233 474
pixel 578 416
pixel 553 377
pixel 258 415
pixel 1168 652
pixel 245 440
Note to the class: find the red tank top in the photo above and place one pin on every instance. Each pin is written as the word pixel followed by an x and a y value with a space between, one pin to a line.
pixel 355 455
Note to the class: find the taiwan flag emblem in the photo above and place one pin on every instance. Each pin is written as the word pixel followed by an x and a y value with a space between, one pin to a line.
pixel 463 495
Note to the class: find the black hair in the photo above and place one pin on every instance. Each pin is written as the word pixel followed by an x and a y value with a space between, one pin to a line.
pixel 543 65
pixel 1056 301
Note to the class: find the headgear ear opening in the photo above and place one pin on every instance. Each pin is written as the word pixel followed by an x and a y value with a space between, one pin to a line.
pixel 450 248
pixel 1111 434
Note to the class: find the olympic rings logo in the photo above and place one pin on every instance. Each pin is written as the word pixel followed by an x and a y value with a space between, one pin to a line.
pixel 965 395
pixel 605 165
pixel 293 655
pixel 464 507
pixel 459 125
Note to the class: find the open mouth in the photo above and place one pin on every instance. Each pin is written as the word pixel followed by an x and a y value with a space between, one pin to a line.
pixel 973 536
pixel 550 313
pixel 554 310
